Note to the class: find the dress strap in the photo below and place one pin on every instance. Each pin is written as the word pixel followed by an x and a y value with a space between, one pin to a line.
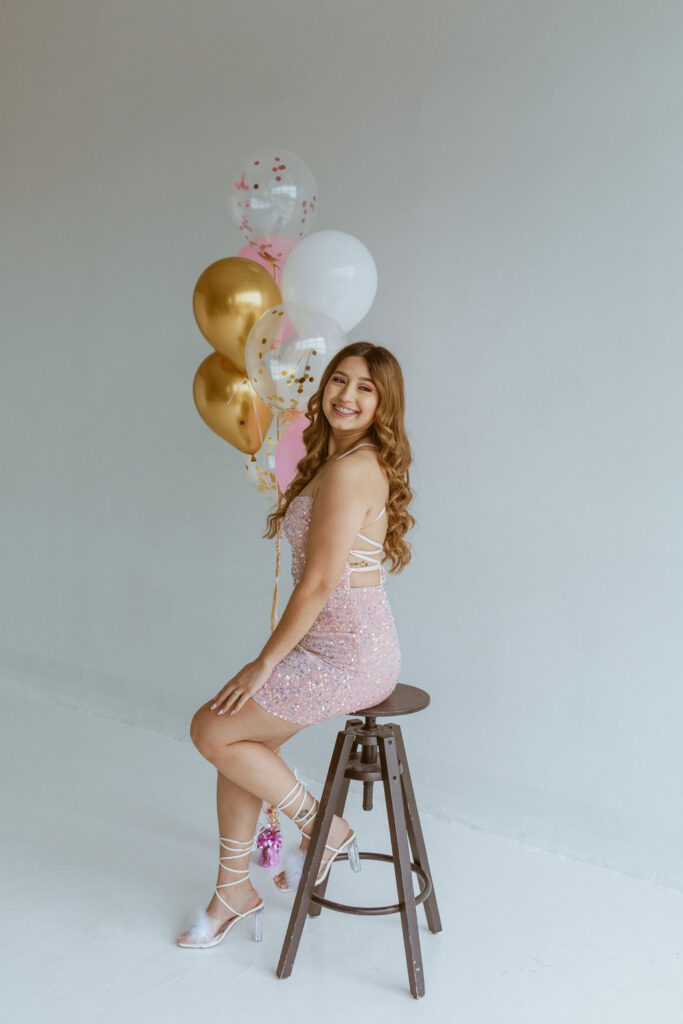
pixel 382 511
pixel 363 444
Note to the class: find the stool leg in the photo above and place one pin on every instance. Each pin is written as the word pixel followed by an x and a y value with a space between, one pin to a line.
pixel 314 854
pixel 315 909
pixel 415 833
pixel 401 856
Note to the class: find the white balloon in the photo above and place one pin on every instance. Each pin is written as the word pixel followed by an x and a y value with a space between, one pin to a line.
pixel 333 272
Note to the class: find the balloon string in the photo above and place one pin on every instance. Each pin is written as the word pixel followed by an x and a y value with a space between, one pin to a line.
pixel 274 616
pixel 269 810
pixel 274 611
pixel 258 418
pixel 235 392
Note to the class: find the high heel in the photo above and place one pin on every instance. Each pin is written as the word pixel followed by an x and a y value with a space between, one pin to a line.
pixel 200 927
pixel 295 859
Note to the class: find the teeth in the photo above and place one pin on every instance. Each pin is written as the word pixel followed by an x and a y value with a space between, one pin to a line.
pixel 342 411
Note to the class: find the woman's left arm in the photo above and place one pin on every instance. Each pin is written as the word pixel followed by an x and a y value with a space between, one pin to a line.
pixel 339 509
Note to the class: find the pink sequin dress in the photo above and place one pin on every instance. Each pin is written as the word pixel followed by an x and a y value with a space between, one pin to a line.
pixel 350 657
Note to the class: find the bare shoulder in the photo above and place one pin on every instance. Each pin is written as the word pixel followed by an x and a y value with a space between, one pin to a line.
pixel 362 471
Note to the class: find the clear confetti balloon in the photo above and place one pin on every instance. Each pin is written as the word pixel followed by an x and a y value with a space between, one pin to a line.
pixel 273 201
pixel 260 467
pixel 286 352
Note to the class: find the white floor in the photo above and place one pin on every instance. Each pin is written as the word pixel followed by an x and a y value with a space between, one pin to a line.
pixel 110 839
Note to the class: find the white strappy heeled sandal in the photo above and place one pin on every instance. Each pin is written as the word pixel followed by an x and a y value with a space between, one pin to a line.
pixel 200 928
pixel 295 859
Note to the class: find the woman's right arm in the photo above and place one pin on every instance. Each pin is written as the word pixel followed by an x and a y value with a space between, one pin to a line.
pixel 303 608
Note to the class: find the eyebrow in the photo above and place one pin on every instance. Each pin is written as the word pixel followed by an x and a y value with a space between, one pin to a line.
pixel 360 378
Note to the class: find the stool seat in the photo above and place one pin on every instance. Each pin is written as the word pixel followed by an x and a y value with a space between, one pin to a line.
pixel 372 753
pixel 405 700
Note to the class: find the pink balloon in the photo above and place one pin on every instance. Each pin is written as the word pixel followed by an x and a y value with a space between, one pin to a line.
pixel 290 449
pixel 271 254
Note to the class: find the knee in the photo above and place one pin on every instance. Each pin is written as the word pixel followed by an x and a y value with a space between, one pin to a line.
pixel 202 731
pixel 212 736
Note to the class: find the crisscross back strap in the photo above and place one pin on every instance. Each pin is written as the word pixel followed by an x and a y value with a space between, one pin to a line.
pixel 367 556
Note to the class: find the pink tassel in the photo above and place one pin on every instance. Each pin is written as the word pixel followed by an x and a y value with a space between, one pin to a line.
pixel 269 841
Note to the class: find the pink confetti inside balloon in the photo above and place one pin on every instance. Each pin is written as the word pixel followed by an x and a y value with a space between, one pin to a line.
pixel 274 198
pixel 270 254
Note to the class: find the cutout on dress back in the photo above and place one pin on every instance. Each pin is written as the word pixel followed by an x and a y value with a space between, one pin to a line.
pixel 372 556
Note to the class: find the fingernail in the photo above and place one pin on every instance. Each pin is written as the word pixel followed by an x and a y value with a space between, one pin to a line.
pixel 213 705
pixel 221 711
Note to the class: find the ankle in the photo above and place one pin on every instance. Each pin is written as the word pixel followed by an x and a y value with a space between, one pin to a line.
pixel 236 884
pixel 334 827
pixel 304 819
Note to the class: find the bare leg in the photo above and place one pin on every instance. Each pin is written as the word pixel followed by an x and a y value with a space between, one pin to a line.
pixel 260 771
pixel 238 813
pixel 242 748
pixel 237 809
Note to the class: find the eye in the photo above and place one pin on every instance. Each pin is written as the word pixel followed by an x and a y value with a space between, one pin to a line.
pixel 340 380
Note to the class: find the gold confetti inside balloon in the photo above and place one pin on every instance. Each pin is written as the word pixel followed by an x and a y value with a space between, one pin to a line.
pixel 287 350
pixel 262 480
pixel 228 404
pixel 229 297
pixel 260 467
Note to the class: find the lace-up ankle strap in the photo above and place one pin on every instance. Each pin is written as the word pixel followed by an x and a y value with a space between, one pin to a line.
pixel 236 848
pixel 299 790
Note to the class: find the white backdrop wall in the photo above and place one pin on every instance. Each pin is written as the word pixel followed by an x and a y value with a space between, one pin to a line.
pixel 515 170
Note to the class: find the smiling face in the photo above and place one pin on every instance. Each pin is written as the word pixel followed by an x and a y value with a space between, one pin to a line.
pixel 350 399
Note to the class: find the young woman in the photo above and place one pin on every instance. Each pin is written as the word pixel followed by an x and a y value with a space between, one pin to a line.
pixel 335 649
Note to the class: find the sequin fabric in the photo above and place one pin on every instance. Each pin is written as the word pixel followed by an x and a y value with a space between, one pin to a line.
pixel 349 659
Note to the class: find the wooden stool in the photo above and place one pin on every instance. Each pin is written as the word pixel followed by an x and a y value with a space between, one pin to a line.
pixel 391 768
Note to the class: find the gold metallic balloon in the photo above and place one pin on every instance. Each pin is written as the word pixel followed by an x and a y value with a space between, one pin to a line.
pixel 228 404
pixel 229 297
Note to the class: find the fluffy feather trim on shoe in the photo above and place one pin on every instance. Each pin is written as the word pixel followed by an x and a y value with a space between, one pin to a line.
pixel 200 927
pixel 293 866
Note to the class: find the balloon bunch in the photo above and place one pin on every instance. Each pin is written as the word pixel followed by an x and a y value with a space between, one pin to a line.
pixel 275 314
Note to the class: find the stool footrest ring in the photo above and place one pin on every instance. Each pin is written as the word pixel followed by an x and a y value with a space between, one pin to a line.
pixel 394 908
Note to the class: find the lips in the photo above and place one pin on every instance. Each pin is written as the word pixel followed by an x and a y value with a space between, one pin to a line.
pixel 343 412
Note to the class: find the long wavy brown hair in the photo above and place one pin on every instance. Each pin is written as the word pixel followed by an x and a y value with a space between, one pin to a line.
pixel 387 431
